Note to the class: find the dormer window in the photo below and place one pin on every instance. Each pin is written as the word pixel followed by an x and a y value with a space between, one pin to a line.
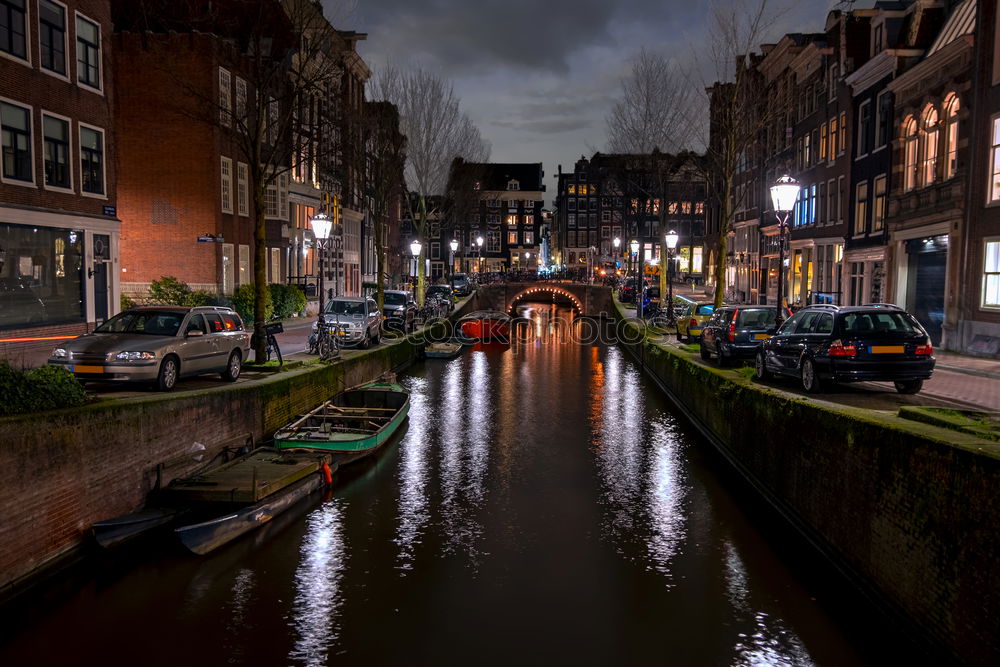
pixel 513 185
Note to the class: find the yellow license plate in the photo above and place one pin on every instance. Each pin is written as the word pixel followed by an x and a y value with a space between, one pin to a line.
pixel 887 349
pixel 761 336
pixel 88 369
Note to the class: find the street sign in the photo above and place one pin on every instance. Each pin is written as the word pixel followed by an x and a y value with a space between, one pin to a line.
pixel 210 239
pixel 110 210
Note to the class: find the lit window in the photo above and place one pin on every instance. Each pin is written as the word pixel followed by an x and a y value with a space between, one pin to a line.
pixel 878 208
pixel 910 153
pixel 529 238
pixel 88 52
pixel 991 275
pixel 833 138
pixel 511 238
pixel 822 142
pixel 511 219
pixel 929 150
pixel 861 209
pixel 843 133
pixel 951 108
pixel 571 189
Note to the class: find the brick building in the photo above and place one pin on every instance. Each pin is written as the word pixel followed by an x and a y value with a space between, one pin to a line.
pixel 59 228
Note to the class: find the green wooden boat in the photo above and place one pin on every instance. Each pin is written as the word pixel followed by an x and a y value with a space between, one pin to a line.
pixel 355 422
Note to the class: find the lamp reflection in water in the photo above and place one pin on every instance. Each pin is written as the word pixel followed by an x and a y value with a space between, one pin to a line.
pixel 242 590
pixel 413 474
pixel 323 557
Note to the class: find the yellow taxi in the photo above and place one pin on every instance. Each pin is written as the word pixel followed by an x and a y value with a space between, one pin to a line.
pixel 692 318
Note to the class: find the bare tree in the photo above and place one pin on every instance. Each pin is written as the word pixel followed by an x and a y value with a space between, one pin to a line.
pixel 738 112
pixel 437 131
pixel 654 110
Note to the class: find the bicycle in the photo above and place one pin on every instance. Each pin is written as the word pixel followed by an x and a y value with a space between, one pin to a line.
pixel 271 349
pixel 324 341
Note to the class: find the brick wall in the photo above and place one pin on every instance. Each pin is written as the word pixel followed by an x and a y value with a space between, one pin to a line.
pixel 911 511
pixel 64 470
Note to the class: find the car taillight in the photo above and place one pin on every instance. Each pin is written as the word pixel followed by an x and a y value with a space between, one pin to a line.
pixel 693 324
pixel 732 327
pixel 924 349
pixel 838 349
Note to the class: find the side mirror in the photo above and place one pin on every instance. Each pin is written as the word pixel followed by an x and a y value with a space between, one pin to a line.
pixel 194 333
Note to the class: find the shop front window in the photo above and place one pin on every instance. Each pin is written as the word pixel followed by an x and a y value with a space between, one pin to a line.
pixel 40 276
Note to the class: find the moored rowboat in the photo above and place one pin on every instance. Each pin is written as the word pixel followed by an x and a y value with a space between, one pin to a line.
pixel 442 350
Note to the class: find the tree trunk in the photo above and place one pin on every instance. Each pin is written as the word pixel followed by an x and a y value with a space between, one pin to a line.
pixel 259 272
pixel 421 272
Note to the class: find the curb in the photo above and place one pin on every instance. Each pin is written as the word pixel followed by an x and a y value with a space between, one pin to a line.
pixel 993 375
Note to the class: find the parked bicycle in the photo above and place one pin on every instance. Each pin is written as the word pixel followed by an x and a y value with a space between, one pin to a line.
pixel 271 349
pixel 323 339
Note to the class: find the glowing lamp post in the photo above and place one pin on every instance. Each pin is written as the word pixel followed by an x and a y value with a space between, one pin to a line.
pixel 634 247
pixel 321 224
pixel 451 265
pixel 415 251
pixel 671 241
pixel 784 193
pixel 479 245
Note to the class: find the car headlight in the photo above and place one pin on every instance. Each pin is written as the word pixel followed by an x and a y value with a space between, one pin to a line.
pixel 59 353
pixel 134 356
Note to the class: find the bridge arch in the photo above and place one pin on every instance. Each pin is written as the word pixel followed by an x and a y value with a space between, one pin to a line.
pixel 543 288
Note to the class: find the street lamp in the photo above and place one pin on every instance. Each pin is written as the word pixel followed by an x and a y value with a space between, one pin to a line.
pixel 451 265
pixel 671 239
pixel 634 247
pixel 321 224
pixel 784 192
pixel 479 244
pixel 415 251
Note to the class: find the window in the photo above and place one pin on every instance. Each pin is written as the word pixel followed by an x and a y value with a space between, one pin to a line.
pixel 52 36
pixel 840 199
pixel 225 104
pixel 812 204
pixel 56 151
pixel 864 128
pixel 511 238
pixel 492 241
pixel 242 189
pixel 884 122
pixel 241 99
pixel 994 155
pixel 529 238
pixel 991 275
pixel 12 28
pixel 799 154
pixel 910 153
pixel 529 205
pixel 88 52
pixel 822 142
pixel 879 39
pixel 605 216
pixel 92 160
pixel 878 209
pixel 806 153
pixel 529 219
pixel 228 273
pixel 843 133
pixel 821 201
pixel 861 209
pixel 227 185
pixel 951 109
pixel 833 138
pixel 571 205
pixel 929 145
pixel 832 78
pixel 571 217
pixel 244 264
pixel 513 185
pixel 831 201
pixel 16 125
pixel 511 219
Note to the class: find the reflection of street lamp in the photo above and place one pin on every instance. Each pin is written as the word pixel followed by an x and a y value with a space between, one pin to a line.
pixel 784 192
pixel 634 247
pixel 321 224
pixel 479 244
pixel 451 266
pixel 415 251
pixel 616 243
pixel 671 239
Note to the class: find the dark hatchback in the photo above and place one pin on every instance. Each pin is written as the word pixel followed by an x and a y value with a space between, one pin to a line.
pixel 736 332
pixel 879 342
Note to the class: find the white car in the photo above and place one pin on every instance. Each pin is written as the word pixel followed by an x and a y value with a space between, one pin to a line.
pixel 356 320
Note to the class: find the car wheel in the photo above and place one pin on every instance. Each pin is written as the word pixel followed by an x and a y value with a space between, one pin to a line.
pixel 232 372
pixel 724 359
pixel 908 386
pixel 760 370
pixel 167 377
pixel 704 353
pixel 366 342
pixel 810 380
pixel 378 337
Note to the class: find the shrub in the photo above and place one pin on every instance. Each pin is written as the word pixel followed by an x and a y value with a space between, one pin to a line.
pixel 243 303
pixel 126 302
pixel 43 388
pixel 288 300
pixel 169 290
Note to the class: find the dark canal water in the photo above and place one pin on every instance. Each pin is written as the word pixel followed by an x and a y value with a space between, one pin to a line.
pixel 545 506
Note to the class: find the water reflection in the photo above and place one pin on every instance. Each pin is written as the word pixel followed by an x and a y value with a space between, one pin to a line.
pixel 666 494
pixel 323 557
pixel 241 593
pixel 413 473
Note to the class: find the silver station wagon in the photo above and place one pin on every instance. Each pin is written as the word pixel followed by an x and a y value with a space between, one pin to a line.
pixel 159 344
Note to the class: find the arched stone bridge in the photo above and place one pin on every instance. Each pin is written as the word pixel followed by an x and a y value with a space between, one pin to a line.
pixel 588 300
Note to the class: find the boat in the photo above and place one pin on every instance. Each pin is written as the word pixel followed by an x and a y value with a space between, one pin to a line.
pixel 113 532
pixel 485 325
pixel 445 350
pixel 350 425
pixel 245 494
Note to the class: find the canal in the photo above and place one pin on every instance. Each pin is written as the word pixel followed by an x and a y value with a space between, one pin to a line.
pixel 544 506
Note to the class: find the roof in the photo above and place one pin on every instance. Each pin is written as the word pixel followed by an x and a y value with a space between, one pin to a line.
pixel 496 175
pixel 961 22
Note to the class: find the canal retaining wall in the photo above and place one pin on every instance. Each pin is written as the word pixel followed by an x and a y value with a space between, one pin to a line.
pixel 910 511
pixel 61 471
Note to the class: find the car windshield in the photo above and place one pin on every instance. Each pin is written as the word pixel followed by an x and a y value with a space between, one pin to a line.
pixel 143 322
pixel 878 322
pixel 345 308
pixel 395 299
pixel 757 318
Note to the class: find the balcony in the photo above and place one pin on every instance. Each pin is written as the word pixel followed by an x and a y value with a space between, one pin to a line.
pixel 923 202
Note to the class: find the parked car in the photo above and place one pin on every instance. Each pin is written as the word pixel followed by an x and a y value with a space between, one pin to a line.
pixel 463 286
pixel 650 299
pixel 735 332
pixel 692 318
pixel 399 311
pixel 356 320
pixel 159 344
pixel 626 293
pixel 442 293
pixel 820 344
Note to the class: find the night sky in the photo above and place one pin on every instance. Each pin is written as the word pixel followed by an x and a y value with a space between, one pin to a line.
pixel 538 76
